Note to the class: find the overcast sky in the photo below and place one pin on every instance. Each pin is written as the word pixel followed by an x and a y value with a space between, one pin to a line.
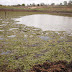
pixel 14 2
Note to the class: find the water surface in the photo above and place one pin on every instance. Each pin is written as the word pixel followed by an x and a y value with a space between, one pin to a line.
pixel 47 22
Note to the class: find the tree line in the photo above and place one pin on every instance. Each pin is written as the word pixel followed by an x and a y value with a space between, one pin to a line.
pixel 65 3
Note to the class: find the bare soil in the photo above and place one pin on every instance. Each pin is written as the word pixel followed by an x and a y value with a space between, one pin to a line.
pixel 59 66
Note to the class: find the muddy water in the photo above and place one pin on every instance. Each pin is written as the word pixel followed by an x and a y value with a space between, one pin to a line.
pixel 47 22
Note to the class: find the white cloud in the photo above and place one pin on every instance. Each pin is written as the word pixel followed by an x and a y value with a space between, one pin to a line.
pixel 13 2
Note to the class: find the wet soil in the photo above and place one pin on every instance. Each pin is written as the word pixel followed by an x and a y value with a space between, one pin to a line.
pixel 59 66
pixel 56 66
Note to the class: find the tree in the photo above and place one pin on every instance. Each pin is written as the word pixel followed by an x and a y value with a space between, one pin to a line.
pixel 65 2
pixel 42 4
pixel 53 4
pixel 18 5
pixel 0 5
pixel 37 4
pixel 60 4
pixel 70 2
pixel 33 4
pixel 23 4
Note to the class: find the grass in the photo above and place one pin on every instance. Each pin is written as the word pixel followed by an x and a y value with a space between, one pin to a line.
pixel 47 8
pixel 53 10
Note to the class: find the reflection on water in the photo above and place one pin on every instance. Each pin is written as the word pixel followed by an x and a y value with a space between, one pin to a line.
pixel 12 29
pixel 45 38
pixel 1 38
pixel 12 36
pixel 47 22
pixel 5 53
pixel 1 30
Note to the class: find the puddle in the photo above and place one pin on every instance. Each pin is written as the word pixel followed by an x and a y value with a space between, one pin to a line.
pixel 59 41
pixel 0 19
pixel 18 57
pixel 1 38
pixel 44 51
pixel 12 36
pixel 38 55
pixel 2 24
pixel 12 29
pixel 70 34
pixel 25 36
pixel 1 30
pixel 58 33
pixel 5 53
pixel 33 45
pixel 44 38
pixel 5 22
pixel 62 38
pixel 36 29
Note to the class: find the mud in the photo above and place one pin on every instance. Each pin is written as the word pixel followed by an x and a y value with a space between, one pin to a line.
pixel 59 66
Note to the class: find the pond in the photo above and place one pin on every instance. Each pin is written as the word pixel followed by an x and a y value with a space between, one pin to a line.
pixel 47 22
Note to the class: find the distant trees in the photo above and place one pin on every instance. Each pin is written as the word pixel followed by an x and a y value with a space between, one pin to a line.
pixel 23 4
pixel 70 3
pixel 18 5
pixel 42 4
pixel 0 5
pixel 60 4
pixel 38 5
pixel 33 4
pixel 53 4
pixel 65 2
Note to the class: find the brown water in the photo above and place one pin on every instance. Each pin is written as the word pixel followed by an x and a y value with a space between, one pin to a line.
pixel 47 22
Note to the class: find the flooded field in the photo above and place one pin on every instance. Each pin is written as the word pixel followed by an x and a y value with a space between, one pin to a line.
pixel 23 45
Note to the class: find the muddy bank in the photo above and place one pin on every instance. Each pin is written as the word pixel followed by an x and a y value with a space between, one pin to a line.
pixel 43 11
pixel 59 66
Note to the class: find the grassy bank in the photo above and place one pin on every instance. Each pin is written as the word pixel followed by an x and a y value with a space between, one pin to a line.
pixel 58 10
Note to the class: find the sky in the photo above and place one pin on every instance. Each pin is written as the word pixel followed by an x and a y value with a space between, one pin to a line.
pixel 15 2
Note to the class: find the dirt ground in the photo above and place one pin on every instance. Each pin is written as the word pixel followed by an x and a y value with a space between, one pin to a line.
pixel 59 66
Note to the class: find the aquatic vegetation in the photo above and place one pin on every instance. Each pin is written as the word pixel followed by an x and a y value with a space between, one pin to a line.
pixel 21 46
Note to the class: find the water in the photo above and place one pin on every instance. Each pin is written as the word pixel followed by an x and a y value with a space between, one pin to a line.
pixel 13 29
pixel 47 22
pixel 45 38
pixel 12 36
